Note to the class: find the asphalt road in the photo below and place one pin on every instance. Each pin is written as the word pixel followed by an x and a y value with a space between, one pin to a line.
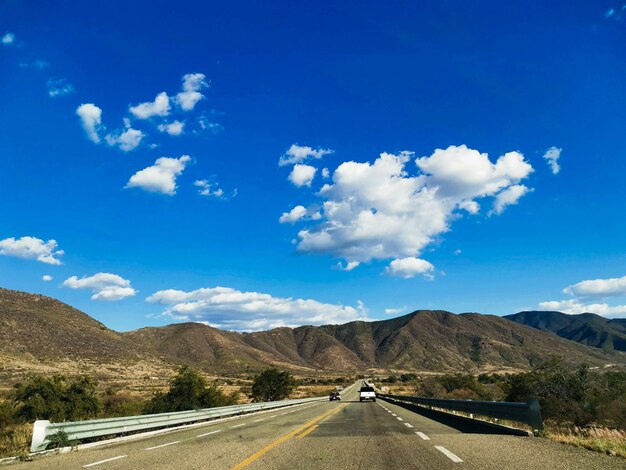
pixel 327 435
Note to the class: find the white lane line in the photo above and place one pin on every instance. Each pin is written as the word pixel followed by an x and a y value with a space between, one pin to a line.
pixel 393 414
pixel 448 454
pixel 399 419
pixel 408 425
pixel 258 420
pixel 163 445
pixel 208 433
pixel 238 426
pixel 273 416
pixel 422 435
pixel 105 461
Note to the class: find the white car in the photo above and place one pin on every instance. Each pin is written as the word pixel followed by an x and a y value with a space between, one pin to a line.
pixel 367 393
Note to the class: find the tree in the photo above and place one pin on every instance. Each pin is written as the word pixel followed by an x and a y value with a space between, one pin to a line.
pixel 271 385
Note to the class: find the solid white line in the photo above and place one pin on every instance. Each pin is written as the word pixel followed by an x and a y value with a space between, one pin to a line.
pixel 408 425
pixel 422 435
pixel 163 445
pixel 208 433
pixel 238 426
pixel 105 461
pixel 448 454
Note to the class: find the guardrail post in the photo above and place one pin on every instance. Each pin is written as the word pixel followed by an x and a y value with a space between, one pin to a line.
pixel 39 441
pixel 534 415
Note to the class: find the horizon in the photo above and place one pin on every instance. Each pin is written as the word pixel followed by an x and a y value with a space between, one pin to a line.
pixel 252 166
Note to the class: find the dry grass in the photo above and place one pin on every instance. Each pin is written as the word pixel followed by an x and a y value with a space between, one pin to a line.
pixel 15 440
pixel 601 439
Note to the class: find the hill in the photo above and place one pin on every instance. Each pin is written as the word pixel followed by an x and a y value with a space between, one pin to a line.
pixel 586 328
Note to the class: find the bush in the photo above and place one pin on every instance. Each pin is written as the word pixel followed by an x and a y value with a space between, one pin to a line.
pixel 271 385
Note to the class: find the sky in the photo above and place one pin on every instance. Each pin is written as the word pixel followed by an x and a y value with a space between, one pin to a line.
pixel 252 164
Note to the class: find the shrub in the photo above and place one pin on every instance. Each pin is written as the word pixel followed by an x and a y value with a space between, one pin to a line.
pixel 271 385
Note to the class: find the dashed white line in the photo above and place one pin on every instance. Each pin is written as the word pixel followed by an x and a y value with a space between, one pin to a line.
pixel 422 435
pixel 163 445
pixel 408 425
pixel 258 420
pixel 273 416
pixel 105 461
pixel 399 419
pixel 448 454
pixel 208 433
pixel 238 426
pixel 393 414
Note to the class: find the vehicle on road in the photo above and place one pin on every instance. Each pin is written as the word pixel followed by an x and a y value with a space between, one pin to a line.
pixel 367 392
pixel 334 396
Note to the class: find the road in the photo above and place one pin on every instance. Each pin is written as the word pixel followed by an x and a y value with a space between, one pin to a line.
pixel 346 435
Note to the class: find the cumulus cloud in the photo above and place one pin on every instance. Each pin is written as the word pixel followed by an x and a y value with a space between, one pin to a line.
pixel 302 175
pixel 552 156
pixel 159 107
pixel 192 84
pixel 105 286
pixel 379 210
pixel 349 266
pixel 298 154
pixel 598 287
pixel 59 87
pixel 207 188
pixel 91 119
pixel 126 140
pixel 299 213
pixel 575 307
pixel 325 173
pixel 160 177
pixel 508 197
pixel 172 128
pixel 410 267
pixel 31 248
pixel 248 311
pixel 46 278
pixel 8 39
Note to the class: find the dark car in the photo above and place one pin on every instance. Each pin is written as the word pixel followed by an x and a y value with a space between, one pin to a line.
pixel 334 396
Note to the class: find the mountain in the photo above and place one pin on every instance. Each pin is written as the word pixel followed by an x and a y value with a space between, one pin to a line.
pixel 41 334
pixel 586 328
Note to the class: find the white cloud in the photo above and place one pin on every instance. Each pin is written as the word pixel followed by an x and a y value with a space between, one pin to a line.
pixel 325 173
pixel 59 87
pixel 159 107
pixel 247 311
pixel 394 311
pixel 508 197
pixel 552 156
pixel 192 84
pixel 31 248
pixel 8 39
pixel 381 211
pixel 457 252
pixel 575 307
pixel 299 154
pixel 172 128
pixel 46 278
pixel 208 189
pixel 105 286
pixel 410 267
pixel 349 266
pixel 299 213
pixel 598 287
pixel 126 140
pixel 91 119
pixel 160 177
pixel 302 175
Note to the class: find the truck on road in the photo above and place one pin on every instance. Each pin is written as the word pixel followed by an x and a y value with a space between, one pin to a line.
pixel 367 392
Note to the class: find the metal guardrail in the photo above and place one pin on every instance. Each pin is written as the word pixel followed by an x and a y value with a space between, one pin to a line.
pixel 528 413
pixel 43 430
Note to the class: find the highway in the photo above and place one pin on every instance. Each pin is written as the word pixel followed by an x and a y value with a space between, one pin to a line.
pixel 343 435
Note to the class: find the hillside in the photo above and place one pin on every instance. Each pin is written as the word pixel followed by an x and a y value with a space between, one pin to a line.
pixel 586 328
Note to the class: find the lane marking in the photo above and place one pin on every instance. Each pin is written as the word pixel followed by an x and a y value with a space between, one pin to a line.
pixel 273 416
pixel 408 425
pixel 257 455
pixel 105 461
pixel 163 445
pixel 448 454
pixel 305 433
pixel 238 426
pixel 393 414
pixel 259 420
pixel 422 435
pixel 399 419
pixel 208 433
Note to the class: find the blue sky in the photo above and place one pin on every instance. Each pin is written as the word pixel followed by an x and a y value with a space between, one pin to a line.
pixel 251 166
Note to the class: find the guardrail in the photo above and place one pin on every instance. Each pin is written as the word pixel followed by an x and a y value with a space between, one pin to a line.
pixel 528 413
pixel 43 430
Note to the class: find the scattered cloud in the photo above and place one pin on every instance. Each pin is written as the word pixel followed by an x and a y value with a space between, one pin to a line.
pixel 575 307
pixel 38 64
pixel 410 267
pixel 232 309
pixel 31 248
pixel 552 156
pixel 105 286
pixel 159 107
pixel 394 311
pixel 325 173
pixel 598 287
pixel 46 278
pixel 8 39
pixel 59 87
pixel 172 128
pixel 160 177
pixel 91 119
pixel 126 140
pixel 349 266
pixel 210 126
pixel 192 84
pixel 298 154
pixel 457 252
pixel 299 213
pixel 379 210
pixel 302 175
pixel 208 189
pixel 615 13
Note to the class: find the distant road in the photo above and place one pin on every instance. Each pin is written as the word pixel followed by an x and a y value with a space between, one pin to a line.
pixel 346 435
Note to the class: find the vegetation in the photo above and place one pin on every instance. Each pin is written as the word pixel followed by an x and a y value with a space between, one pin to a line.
pixel 271 385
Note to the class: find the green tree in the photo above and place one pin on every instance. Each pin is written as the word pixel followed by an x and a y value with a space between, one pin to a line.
pixel 271 385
